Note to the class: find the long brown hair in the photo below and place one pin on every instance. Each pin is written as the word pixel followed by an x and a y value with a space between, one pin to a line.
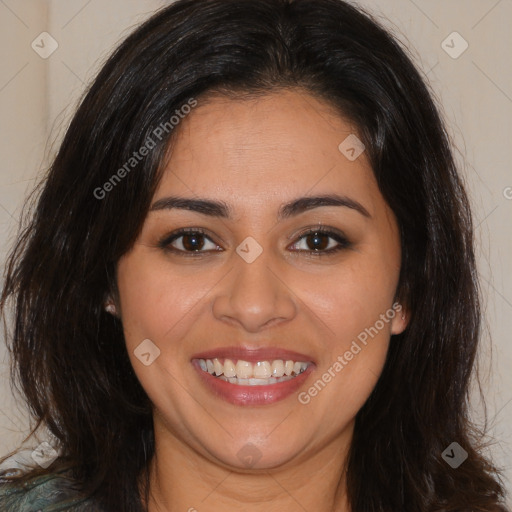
pixel 69 355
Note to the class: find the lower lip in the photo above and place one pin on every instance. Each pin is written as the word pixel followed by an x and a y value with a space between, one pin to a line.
pixel 252 395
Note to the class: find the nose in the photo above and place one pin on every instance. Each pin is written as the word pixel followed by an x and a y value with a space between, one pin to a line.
pixel 255 295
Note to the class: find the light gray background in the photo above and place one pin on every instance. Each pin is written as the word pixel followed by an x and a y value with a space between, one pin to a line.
pixel 37 97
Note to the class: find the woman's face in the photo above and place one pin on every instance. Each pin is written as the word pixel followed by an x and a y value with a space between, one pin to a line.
pixel 250 287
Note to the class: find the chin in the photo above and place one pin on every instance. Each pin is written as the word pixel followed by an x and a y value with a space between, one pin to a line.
pixel 263 455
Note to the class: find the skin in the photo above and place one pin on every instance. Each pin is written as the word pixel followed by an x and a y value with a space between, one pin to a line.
pixel 255 155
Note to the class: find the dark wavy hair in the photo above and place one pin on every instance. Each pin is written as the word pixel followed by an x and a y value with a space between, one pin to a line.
pixel 69 355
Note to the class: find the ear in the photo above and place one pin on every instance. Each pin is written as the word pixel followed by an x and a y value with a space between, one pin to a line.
pixel 110 306
pixel 401 319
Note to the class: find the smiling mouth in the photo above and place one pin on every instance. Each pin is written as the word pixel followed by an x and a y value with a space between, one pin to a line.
pixel 259 373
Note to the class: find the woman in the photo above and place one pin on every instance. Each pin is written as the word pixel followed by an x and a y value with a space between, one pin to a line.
pixel 249 282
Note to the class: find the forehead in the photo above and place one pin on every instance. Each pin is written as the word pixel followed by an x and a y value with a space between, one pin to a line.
pixel 279 145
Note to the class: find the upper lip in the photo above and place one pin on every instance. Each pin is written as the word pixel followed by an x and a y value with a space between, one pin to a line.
pixel 253 355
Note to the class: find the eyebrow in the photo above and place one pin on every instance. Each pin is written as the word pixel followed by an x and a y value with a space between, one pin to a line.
pixel 223 210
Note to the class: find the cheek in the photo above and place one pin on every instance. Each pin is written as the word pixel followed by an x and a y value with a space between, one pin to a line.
pixel 353 296
pixel 355 304
pixel 354 349
pixel 160 306
pixel 154 302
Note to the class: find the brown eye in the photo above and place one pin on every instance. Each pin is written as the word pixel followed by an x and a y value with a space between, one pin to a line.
pixel 320 242
pixel 192 242
pixel 188 241
pixel 317 241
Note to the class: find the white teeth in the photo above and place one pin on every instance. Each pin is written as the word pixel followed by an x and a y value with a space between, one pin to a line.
pixel 262 370
pixel 259 373
pixel 255 382
pixel 288 368
pixel 217 367
pixel 277 368
pixel 229 368
pixel 243 369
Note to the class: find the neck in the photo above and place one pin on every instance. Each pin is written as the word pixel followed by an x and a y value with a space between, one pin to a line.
pixel 181 480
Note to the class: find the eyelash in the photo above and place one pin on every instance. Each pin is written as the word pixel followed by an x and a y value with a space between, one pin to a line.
pixel 343 242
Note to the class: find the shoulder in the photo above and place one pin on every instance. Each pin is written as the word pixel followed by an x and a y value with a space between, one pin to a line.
pixel 52 492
